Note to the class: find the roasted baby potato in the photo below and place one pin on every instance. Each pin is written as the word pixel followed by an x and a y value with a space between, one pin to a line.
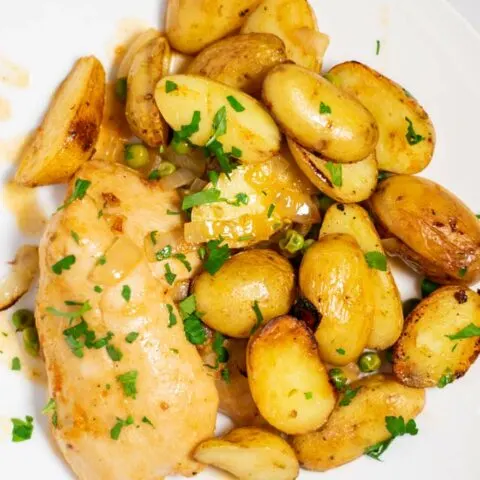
pixel 66 138
pixel 353 428
pixel 334 277
pixel 294 22
pixel 388 317
pixel 241 61
pixel 434 348
pixel 318 115
pixel 406 134
pixel 191 25
pixel 251 279
pixel 288 381
pixel 344 182
pixel 250 129
pixel 149 65
pixel 250 453
pixel 277 193
pixel 429 228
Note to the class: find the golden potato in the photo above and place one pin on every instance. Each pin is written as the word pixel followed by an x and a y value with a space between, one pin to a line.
pixel 318 115
pixel 66 138
pixel 406 134
pixel 353 428
pixel 250 279
pixel 294 22
pixel 241 61
pixel 191 25
pixel 149 65
pixel 344 182
pixel 250 129
pixel 432 230
pixel 388 317
pixel 335 278
pixel 288 381
pixel 425 356
pixel 250 453
pixel 278 194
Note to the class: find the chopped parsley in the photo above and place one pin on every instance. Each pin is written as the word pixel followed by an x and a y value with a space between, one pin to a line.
pixel 462 272
pixel 325 109
pixel 210 195
pixel 469 331
pixel 154 175
pixel 22 429
pixel 348 395
pixel 412 137
pixel 16 364
pixel 172 319
pixel 225 374
pixel 192 324
pixel 170 86
pixel 336 175
pixel 79 191
pixel 236 152
pixel 131 337
pixel 114 353
pixel 153 237
pixel 182 258
pixel 213 177
pixel 164 253
pixel 445 379
pixel 171 212
pixel 64 264
pixel 188 305
pixel 75 237
pixel 245 238
pixel 80 336
pixel 216 255
pixel 219 349
pixel 126 293
pixel 169 275
pixel 397 427
pixel 226 164
pixel 235 104
pixel 271 208
pixel 117 429
pixel 258 315
pixel 219 125
pixel 428 287
pixel 240 199
pixel 51 407
pixel 341 351
pixel 98 289
pixel 102 260
pixel 128 381
pixel 84 308
pixel 147 421
pixel 187 131
pixel 308 395
pixel 376 260
pixel 377 51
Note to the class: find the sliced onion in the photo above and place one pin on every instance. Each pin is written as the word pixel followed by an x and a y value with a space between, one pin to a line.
pixel 179 178
pixel 194 161
pixel 197 185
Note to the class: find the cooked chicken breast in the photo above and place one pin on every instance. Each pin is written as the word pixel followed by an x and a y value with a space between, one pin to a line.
pixel 128 406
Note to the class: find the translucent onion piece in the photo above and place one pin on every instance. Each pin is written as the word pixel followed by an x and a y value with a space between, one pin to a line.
pixel 179 178
pixel 194 161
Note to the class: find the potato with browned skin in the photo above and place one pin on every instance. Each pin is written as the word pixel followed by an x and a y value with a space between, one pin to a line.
pixel 440 341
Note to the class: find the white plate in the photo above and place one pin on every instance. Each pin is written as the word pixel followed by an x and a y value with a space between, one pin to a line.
pixel 425 46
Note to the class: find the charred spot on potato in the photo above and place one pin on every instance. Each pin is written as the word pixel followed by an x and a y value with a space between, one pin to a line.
pixel 304 310
pixel 461 296
pixel 110 199
pixel 85 132
pixel 341 207
pixel 244 12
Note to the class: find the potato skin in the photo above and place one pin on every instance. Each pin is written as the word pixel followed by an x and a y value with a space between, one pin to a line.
pixel 294 95
pixel 391 105
pixel 355 427
pixel 68 133
pixel 149 65
pixel 241 61
pixel 253 130
pixel 424 353
pixel 335 278
pixel 191 25
pixel 388 316
pixel 440 235
pixel 359 179
pixel 227 298
pixel 288 381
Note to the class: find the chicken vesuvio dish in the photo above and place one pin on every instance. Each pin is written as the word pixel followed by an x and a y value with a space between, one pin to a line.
pixel 233 258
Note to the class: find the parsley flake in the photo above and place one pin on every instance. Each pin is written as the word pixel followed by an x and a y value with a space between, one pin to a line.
pixel 271 208
pixel 219 349
pixel 79 191
pixel 235 104
pixel 376 260
pixel 225 374
pixel 377 51
pixel 64 264
pixel 169 275
pixel 445 379
pixel 308 395
pixel 187 131
pixel 117 429
pixel 126 293
pixel 172 319
pixel 219 125
pixel 348 395
pixel 341 351
pixel 114 353
pixel 182 258
pixel 128 381
pixel 412 137
pixel 16 364
pixel 325 109
pixel 469 331
pixel 258 315
pixel 336 174
pixel 84 308
pixel 131 337
pixel 164 253
pixel 170 86
pixel 147 421
pixel 22 429
pixel 211 195
pixel 75 237
pixel 216 255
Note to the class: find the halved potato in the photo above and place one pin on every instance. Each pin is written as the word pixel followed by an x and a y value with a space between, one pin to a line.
pixel 353 428
pixel 66 138
pixel 425 353
pixel 250 453
pixel 335 279
pixel 347 182
pixel 20 278
pixel 388 317
pixel 241 61
pixel 227 299
pixel 278 194
pixel 288 381
pixel 318 115
pixel 406 133
pixel 429 228
pixel 294 22
pixel 191 25
pixel 149 65
pixel 251 129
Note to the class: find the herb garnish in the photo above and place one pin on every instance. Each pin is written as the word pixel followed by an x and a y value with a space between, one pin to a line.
pixel 182 258
pixel 216 255
pixel 325 109
pixel 16 365
pixel 258 315
pixel 376 260
pixel 75 237
pixel 172 319
pixel 79 191
pixel 271 208
pixel 147 421
pixel 469 331
pixel 170 86
pixel 210 195
pixel 193 326
pixel 131 337
pixel 164 253
pixel 169 275
pixel 117 429
pixel 336 175
pixel 187 131
pixel 126 293
pixel 64 264
pixel 51 407
pixel 235 104
pixel 348 395
pixel 308 395
pixel 84 308
pixel 128 381
pixel 412 137
pixel 22 429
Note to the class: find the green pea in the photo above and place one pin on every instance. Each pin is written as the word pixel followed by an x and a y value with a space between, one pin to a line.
pixel 30 341
pixel 369 362
pixel 22 319
pixel 136 155
pixel 324 203
pixel 121 89
pixel 428 287
pixel 181 147
pixel 293 242
pixel 166 168
pixel 338 378
pixel 409 305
